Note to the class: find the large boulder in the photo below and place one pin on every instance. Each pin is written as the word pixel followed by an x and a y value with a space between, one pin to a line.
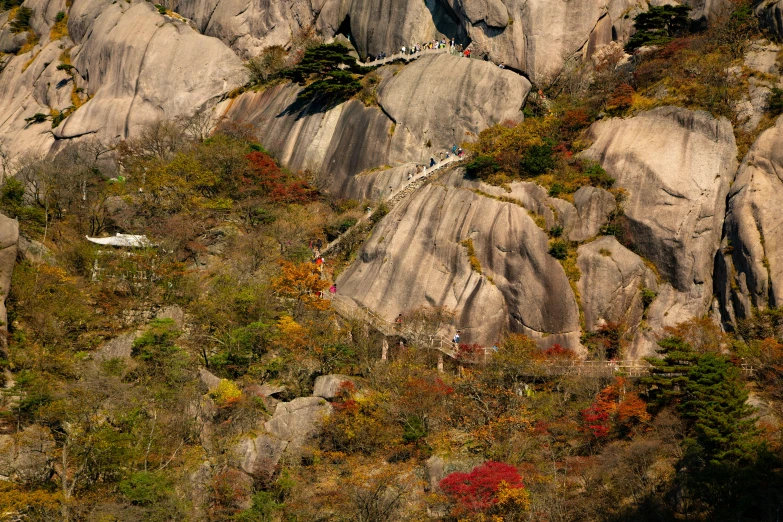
pixel 118 348
pixel 26 457
pixel 416 258
pixel 133 61
pixel 417 119
pixel 612 282
pixel 676 167
pixel 259 456
pixel 297 421
pixel 328 386
pixel 615 288
pixel 751 261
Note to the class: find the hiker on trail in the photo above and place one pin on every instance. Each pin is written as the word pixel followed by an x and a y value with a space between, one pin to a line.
pixel 333 289
pixel 403 49
pixel 319 244
pixel 456 338
pixel 320 264
pixel 467 53
pixel 399 319
pixel 460 152
pixel 409 176
pixel 441 156
pixel 432 162
pixel 454 149
pixel 502 65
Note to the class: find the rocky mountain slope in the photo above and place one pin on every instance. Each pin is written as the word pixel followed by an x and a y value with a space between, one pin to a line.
pixel 103 70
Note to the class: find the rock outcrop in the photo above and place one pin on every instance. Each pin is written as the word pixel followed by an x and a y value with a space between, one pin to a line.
pixel 418 118
pixel 328 386
pixel 134 60
pixel 416 258
pixel 297 421
pixel 131 66
pixel 27 456
pixel 615 289
pixel 751 260
pixel 676 167
pixel 9 237
pixel 259 456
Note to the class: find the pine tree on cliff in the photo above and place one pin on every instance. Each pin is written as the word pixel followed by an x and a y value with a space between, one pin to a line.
pixel 328 70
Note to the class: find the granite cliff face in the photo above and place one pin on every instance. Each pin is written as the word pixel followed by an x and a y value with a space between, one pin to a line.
pixel 750 261
pixel 123 65
pixel 418 116
pixel 673 204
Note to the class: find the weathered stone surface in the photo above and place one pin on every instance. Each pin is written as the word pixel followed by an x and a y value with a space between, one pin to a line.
pixel 26 457
pixel 298 421
pixel 250 26
pixel 770 13
pixel 9 237
pixel 611 283
pixel 349 139
pixel 424 109
pixel 415 259
pixel 752 260
pixel 259 456
pixel 136 60
pixel 593 206
pixel 175 313
pixel 327 386
pixel 435 471
pixel 118 348
pixel 676 166
pixel 208 379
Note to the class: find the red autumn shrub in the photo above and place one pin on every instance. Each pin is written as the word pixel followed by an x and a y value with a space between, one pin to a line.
pixel 476 491
pixel 265 177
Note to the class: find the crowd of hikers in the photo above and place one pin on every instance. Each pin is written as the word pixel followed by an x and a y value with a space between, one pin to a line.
pixel 415 48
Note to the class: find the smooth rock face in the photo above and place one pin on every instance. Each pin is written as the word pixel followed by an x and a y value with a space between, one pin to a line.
pixel 259 456
pixel 752 249
pixel 477 95
pixel 611 284
pixel 424 119
pixel 328 386
pixel 248 26
pixel 118 348
pixel 593 206
pixel 136 60
pixel 414 259
pixel 9 237
pixel 298 421
pixel 676 166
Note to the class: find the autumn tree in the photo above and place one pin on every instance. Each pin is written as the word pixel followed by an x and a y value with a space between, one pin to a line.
pixel 302 286
pixel 489 487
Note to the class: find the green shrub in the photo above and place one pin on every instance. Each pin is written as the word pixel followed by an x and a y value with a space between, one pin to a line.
pixel 775 103
pixel 559 250
pixel 38 117
pixel 145 488
pixel 21 21
pixel 556 189
pixel 598 176
pixel 160 8
pixel 538 159
pixel 482 166
pixel 556 231
pixel 648 296
pixel 60 17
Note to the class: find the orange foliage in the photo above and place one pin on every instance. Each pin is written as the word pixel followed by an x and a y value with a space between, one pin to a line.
pixel 302 282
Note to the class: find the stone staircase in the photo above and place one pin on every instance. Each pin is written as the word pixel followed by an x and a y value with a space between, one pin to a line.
pixel 395 197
